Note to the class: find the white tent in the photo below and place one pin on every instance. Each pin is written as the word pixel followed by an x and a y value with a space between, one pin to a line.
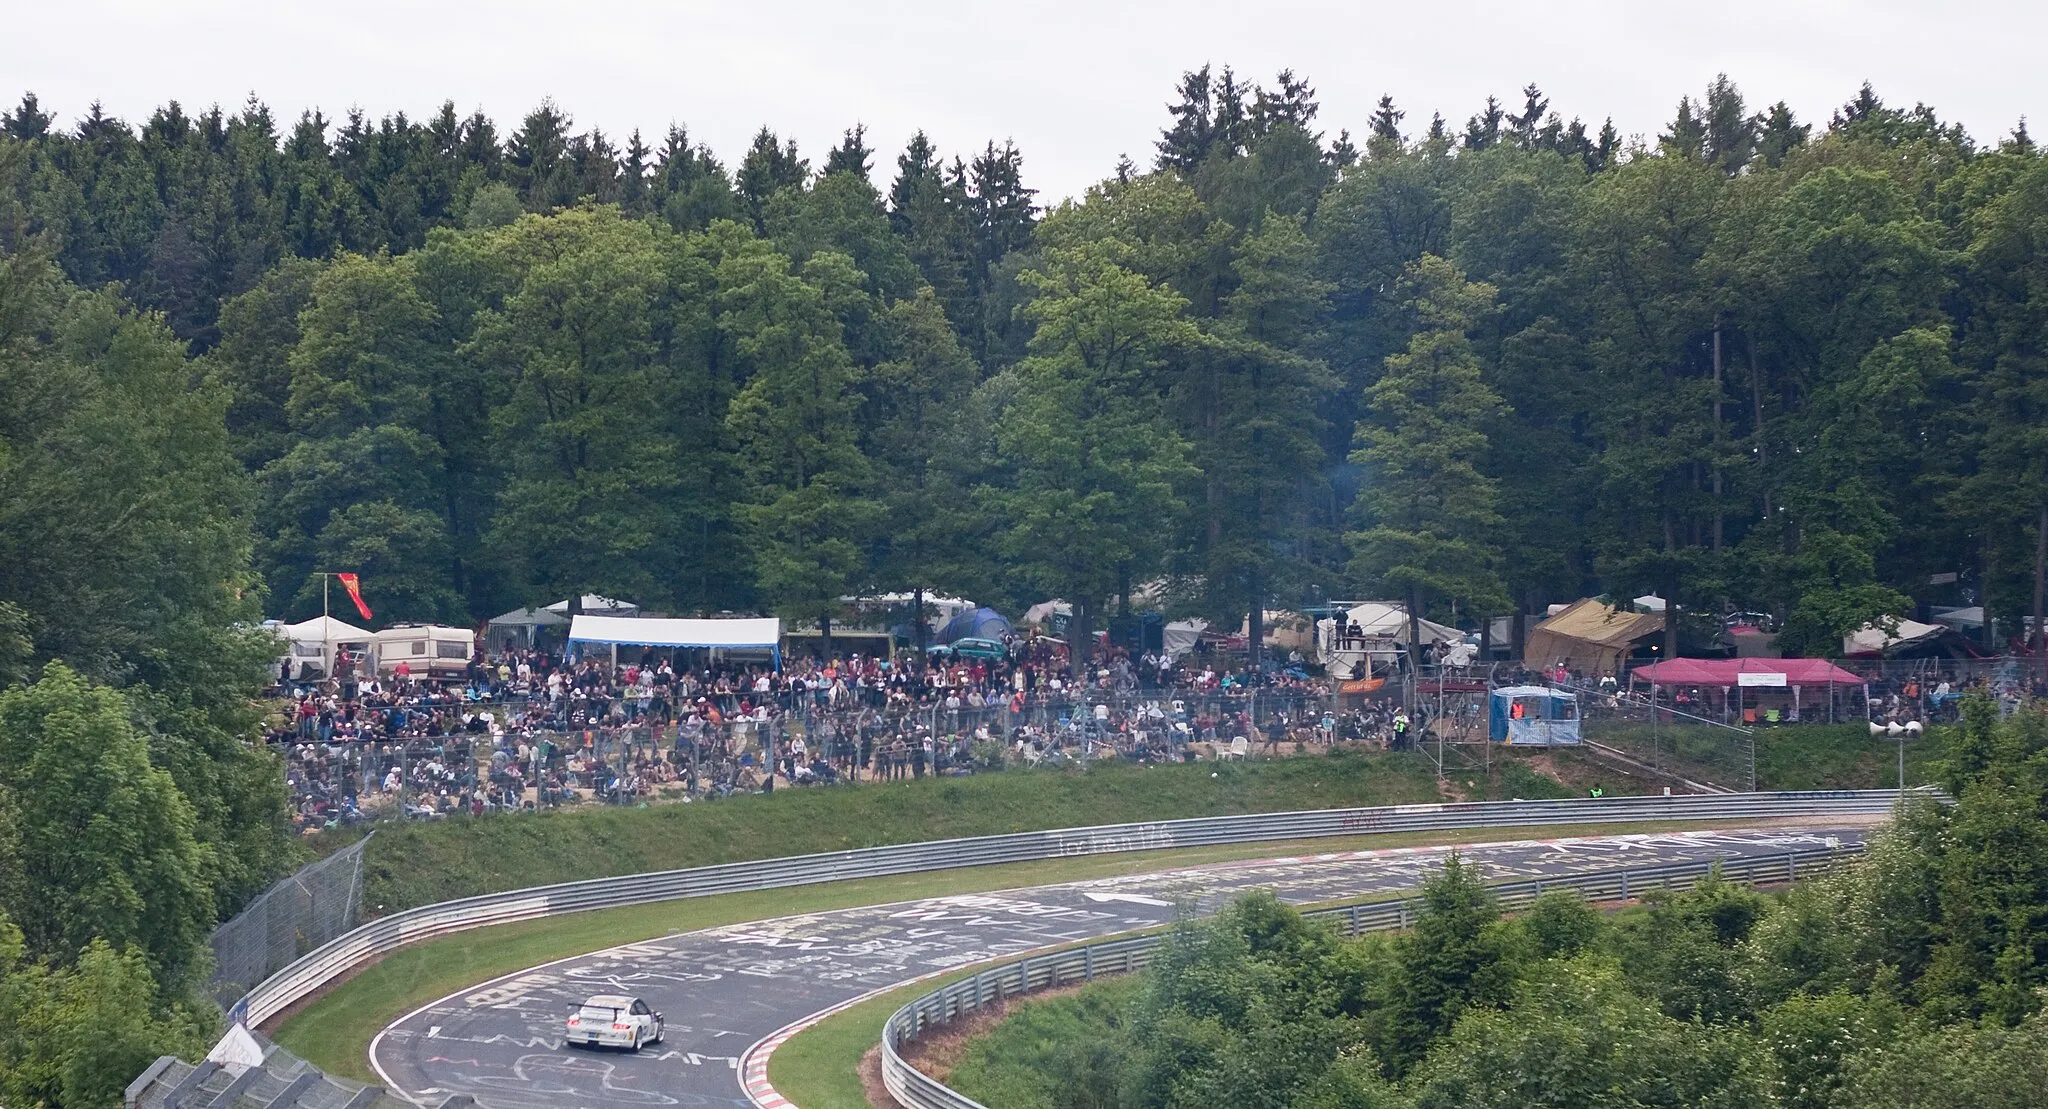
pixel 237 1051
pixel 1178 638
pixel 1871 640
pixel 1043 612
pixel 598 606
pixel 765 632
pixel 324 629
pixel 1385 619
pixel 312 644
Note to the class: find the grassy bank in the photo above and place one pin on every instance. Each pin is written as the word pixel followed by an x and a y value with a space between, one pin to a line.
pixel 1793 757
pixel 416 864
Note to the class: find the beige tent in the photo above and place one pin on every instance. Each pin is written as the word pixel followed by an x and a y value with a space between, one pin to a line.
pixel 1590 635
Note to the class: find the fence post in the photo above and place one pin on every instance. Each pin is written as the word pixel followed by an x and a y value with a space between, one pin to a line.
pixel 1088 962
pixel 1624 885
pixel 1354 920
pixel 1791 866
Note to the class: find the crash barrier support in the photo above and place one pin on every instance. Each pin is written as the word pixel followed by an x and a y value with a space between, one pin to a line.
pixel 377 938
pixel 914 1089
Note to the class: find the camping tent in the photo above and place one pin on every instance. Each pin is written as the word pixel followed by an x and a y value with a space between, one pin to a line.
pixel 975 623
pixel 1533 716
pixel 1590 635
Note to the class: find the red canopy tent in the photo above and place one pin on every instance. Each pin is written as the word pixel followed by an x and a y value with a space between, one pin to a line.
pixel 1725 674
pixel 1723 671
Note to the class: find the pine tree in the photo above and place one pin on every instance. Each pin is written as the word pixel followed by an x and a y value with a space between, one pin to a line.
pixel 1865 106
pixel 1482 131
pixel 1528 125
pixel 1779 134
pixel 1385 139
pixel 852 155
pixel 1687 135
pixel 1605 150
pixel 1343 153
pixel 1428 510
pixel 1230 132
pixel 1731 131
pixel 1291 104
pixel 1003 212
pixel 1183 146
pixel 536 157
pixel 633 171
pixel 26 122
pixel 769 167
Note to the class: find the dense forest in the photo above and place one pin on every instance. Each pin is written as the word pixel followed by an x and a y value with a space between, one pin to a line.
pixel 1916 979
pixel 1750 364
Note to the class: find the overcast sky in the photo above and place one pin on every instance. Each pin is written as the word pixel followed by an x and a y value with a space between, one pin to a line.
pixel 1074 82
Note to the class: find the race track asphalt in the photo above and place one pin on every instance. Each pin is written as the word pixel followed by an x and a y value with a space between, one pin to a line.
pixel 723 989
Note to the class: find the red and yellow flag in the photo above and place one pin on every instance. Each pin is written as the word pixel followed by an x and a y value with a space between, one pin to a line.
pixel 354 586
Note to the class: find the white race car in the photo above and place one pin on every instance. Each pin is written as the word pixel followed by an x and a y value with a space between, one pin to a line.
pixel 613 1020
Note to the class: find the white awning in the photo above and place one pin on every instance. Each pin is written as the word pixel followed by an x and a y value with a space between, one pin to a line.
pixel 324 629
pixel 750 632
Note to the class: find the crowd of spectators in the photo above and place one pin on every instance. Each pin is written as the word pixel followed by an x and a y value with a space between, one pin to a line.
pixel 530 729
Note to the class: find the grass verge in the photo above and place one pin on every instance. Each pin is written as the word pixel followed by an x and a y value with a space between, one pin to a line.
pixel 418 864
pixel 334 1030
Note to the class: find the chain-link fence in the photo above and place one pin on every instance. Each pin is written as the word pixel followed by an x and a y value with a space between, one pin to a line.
pixel 298 914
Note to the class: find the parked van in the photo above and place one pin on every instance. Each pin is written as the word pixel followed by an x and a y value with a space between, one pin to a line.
pixel 427 650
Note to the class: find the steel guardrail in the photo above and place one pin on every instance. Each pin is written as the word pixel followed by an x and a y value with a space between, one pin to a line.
pixel 914 1089
pixel 373 940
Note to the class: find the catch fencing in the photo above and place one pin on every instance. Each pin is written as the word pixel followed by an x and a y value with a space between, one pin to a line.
pixel 312 907
pixel 373 940
pixel 914 1089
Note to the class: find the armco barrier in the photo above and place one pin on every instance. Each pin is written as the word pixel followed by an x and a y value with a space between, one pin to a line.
pixel 914 1089
pixel 379 937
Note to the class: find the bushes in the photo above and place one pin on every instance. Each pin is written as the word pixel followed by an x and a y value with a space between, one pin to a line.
pixel 1912 980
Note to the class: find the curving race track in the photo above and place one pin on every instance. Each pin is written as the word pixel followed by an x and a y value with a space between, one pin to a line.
pixel 725 989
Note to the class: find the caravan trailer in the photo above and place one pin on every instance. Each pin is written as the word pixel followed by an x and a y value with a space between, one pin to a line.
pixel 427 650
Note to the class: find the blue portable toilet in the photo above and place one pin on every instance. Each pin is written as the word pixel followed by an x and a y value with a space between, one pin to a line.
pixel 1533 716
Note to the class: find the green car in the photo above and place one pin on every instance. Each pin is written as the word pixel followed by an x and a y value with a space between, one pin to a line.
pixel 989 649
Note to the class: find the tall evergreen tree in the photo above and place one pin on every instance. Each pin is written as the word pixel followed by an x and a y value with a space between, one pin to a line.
pixel 769 167
pixel 1185 145
pixel 1386 140
pixel 852 155
pixel 1428 512
pixel 1482 131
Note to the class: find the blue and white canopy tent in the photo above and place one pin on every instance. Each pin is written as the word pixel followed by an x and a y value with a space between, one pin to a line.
pixel 760 633
pixel 1533 716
